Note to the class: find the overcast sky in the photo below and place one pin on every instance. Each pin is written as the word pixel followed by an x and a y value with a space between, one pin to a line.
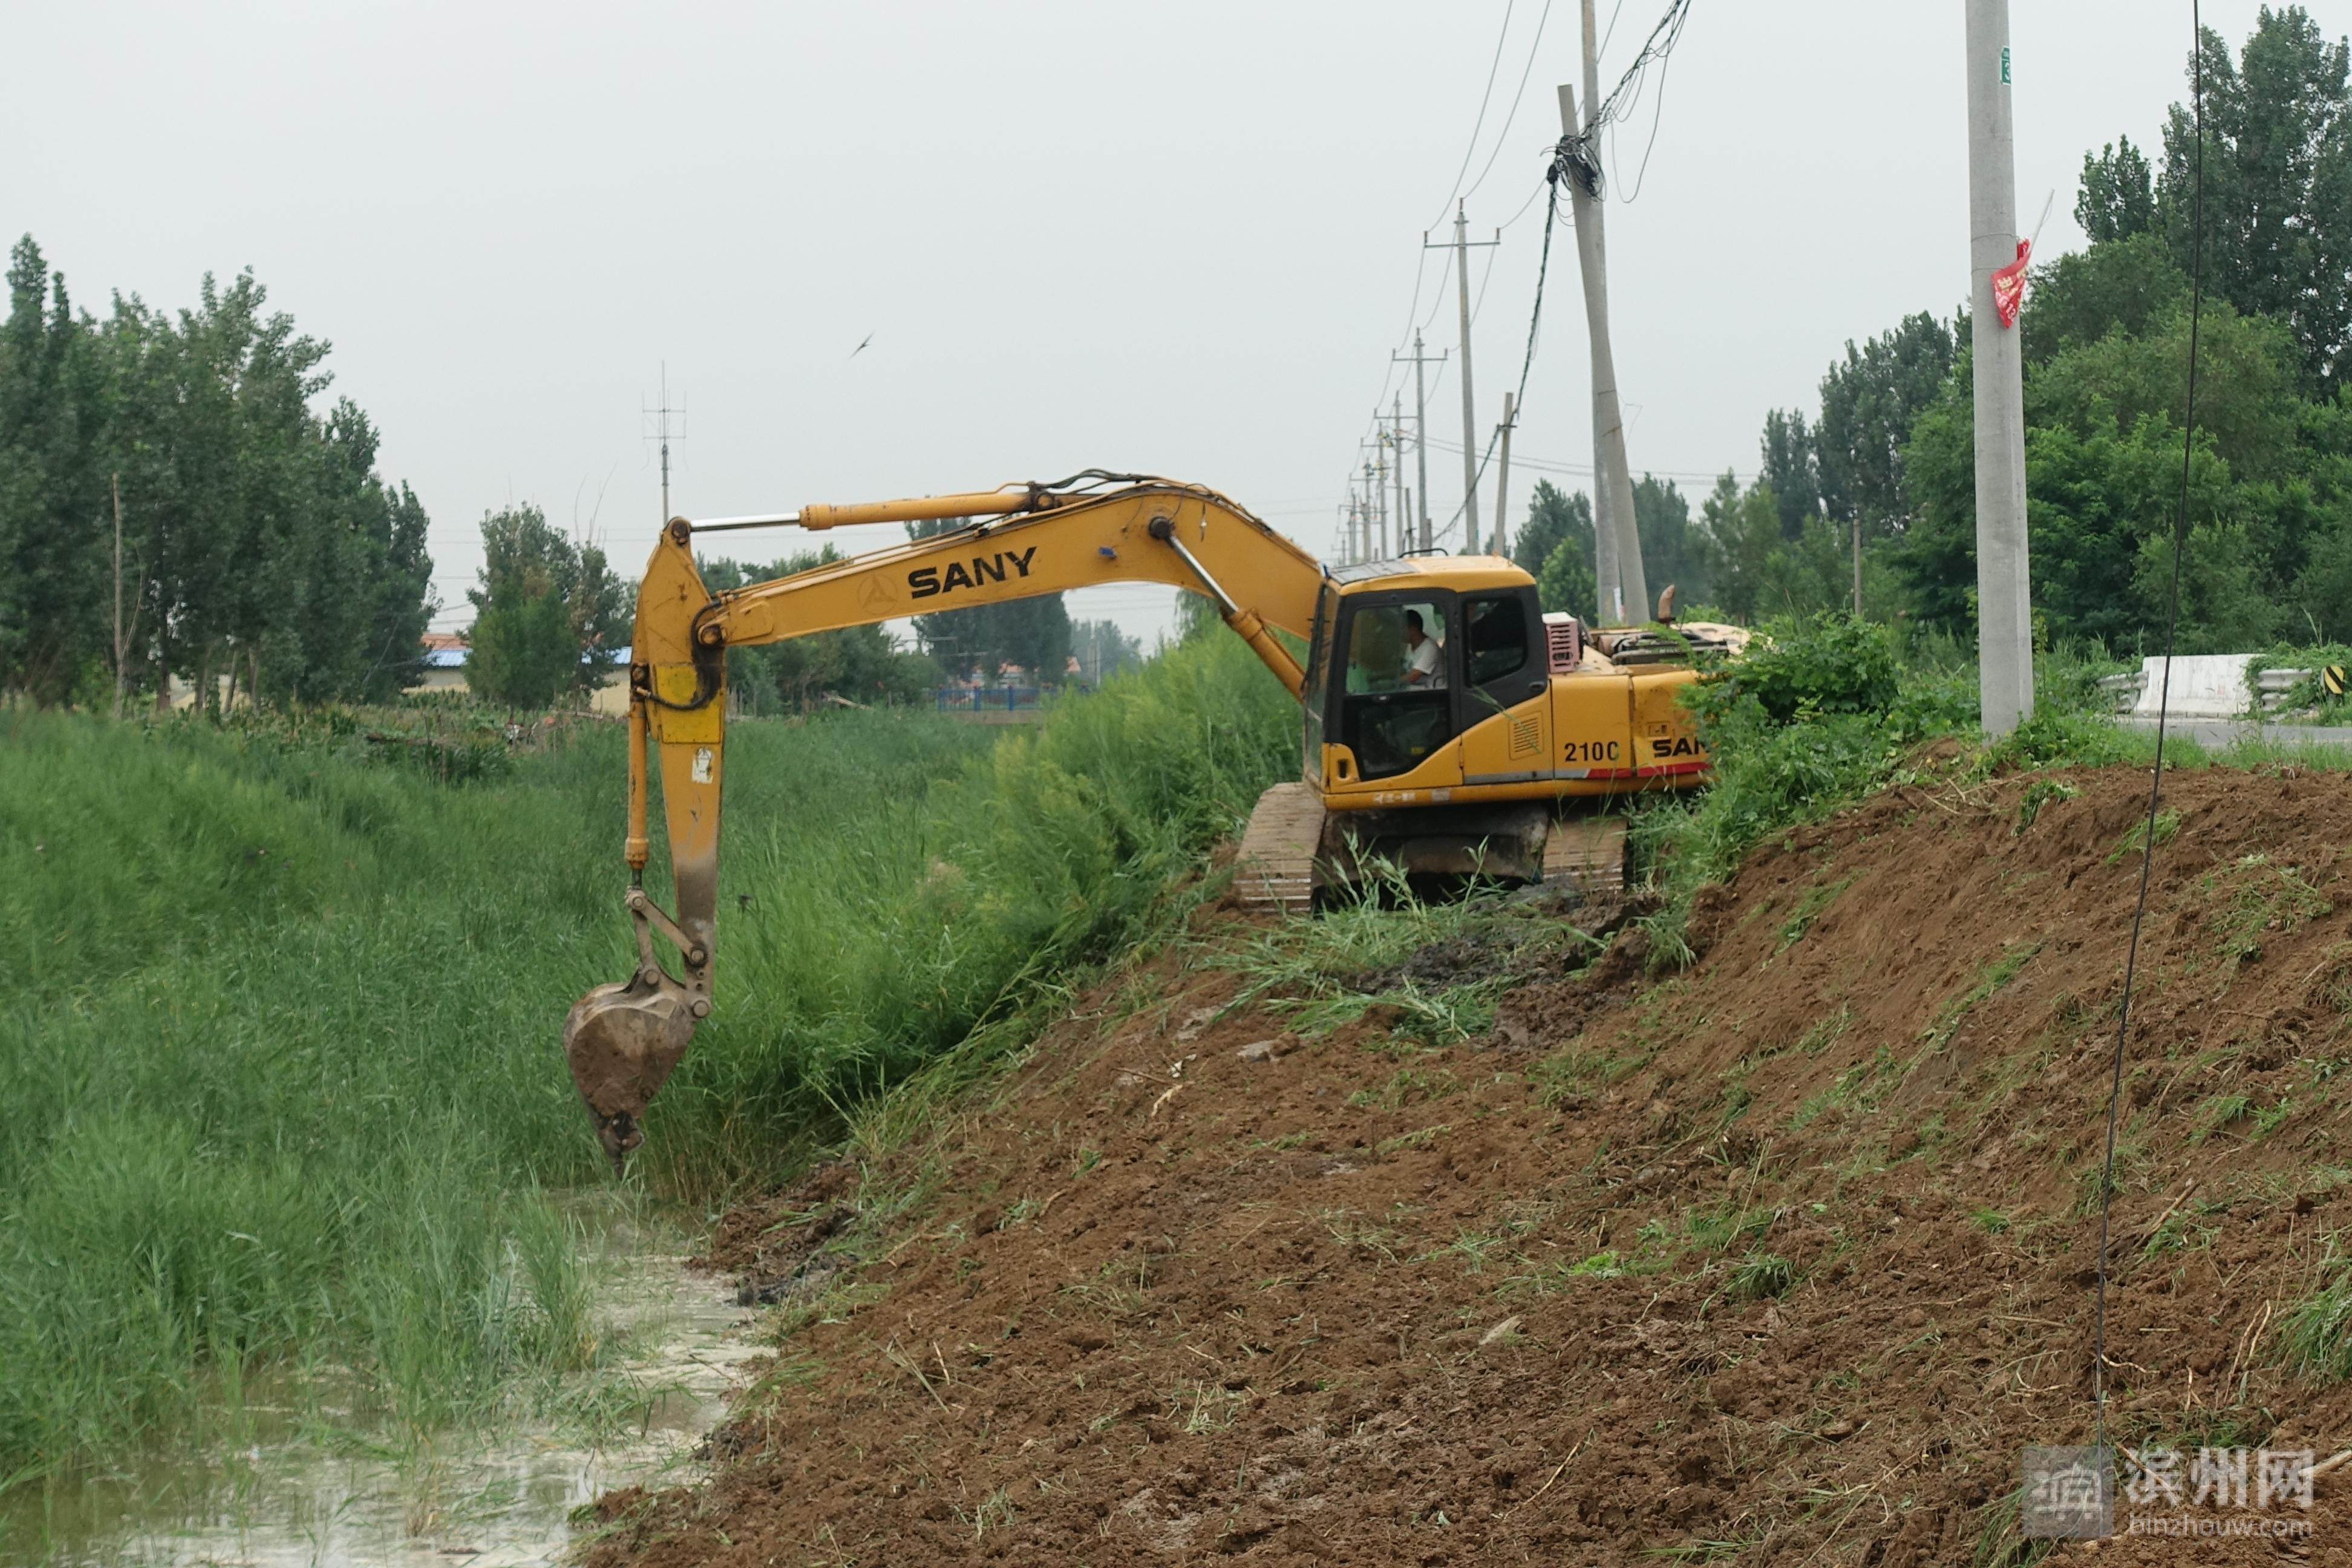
pixel 1178 239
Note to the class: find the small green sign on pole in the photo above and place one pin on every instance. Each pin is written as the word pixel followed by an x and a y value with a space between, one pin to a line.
pixel 2004 65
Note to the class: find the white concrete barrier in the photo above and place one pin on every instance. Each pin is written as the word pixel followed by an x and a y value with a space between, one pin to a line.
pixel 2204 686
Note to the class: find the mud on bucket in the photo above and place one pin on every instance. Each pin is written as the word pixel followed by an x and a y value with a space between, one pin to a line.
pixel 622 1042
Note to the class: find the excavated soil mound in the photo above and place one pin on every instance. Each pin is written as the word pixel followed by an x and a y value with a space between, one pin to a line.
pixel 1783 1260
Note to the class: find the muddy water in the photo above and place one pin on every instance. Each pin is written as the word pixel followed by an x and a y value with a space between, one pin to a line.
pixel 499 1500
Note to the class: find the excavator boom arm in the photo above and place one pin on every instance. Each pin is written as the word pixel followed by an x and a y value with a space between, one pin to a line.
pixel 1175 535
pixel 624 1041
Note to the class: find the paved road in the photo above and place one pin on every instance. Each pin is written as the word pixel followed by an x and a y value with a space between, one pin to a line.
pixel 2216 733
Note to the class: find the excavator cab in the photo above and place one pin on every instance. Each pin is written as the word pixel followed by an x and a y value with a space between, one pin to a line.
pixel 1381 721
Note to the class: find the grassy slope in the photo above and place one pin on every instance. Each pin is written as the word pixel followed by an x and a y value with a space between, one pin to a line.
pixel 282 1060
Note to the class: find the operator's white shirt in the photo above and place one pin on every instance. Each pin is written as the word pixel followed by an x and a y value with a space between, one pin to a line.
pixel 1427 660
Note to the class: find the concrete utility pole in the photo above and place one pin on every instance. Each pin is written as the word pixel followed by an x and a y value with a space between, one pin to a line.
pixel 1404 511
pixel 1462 246
pixel 1370 497
pixel 1624 588
pixel 1421 425
pixel 1501 544
pixel 1857 564
pixel 2004 620
pixel 114 484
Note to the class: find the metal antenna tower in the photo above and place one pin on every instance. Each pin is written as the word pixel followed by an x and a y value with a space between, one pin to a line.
pixel 661 432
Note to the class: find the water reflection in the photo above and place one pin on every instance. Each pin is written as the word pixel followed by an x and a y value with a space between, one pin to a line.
pixel 501 1499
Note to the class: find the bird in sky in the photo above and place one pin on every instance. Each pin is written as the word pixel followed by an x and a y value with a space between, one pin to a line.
pixel 861 348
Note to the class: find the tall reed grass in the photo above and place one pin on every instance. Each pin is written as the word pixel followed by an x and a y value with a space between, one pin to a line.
pixel 849 958
pixel 280 1040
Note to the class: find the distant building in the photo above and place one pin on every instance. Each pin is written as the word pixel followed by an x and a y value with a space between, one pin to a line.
pixel 444 662
pixel 445 670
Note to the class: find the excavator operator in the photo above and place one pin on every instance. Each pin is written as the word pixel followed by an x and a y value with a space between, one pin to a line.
pixel 1424 660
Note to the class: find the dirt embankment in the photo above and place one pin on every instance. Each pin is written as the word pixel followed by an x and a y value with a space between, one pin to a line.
pixel 1783 1259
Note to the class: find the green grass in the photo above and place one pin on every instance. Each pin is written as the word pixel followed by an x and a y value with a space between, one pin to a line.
pixel 285 1095
pixel 1328 972
pixel 1762 1274
pixel 2316 1336
pixel 1809 907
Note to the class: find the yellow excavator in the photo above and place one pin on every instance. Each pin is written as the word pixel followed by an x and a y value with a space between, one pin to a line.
pixel 1451 728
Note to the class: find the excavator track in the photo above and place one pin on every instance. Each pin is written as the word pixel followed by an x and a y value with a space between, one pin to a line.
pixel 1276 867
pixel 1587 854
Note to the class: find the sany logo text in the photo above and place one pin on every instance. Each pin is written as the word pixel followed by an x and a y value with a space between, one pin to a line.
pixel 927 581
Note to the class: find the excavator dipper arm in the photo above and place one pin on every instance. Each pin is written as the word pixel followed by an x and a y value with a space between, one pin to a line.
pixel 623 1040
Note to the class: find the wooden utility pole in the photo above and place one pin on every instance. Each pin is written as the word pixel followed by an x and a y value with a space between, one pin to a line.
pixel 2004 620
pixel 1625 589
pixel 1421 425
pixel 1501 544
pixel 1462 245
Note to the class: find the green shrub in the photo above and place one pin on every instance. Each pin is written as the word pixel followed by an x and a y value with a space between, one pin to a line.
pixel 2310 693
pixel 1820 664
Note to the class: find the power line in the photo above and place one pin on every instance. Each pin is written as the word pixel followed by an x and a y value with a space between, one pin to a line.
pixel 1471 150
pixel 1414 321
pixel 1610 31
pixel 1534 321
pixel 2163 702
pixel 1505 134
pixel 1413 317
pixel 1532 197
pixel 1584 471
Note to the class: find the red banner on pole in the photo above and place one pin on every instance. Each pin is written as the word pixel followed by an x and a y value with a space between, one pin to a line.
pixel 2009 286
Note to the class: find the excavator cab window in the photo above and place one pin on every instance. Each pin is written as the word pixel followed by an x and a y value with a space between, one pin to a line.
pixel 1395 712
pixel 1496 633
pixel 1316 697
pixel 1500 668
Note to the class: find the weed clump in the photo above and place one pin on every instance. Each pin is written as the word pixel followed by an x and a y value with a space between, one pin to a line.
pixel 2317 1337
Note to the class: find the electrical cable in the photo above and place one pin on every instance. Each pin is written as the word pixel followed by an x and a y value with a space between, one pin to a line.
pixel 1534 321
pixel 1578 150
pixel 1572 156
pixel 2163 702
pixel 1478 300
pixel 1517 98
pixel 1523 208
pixel 1421 268
pixel 1480 124
pixel 1657 118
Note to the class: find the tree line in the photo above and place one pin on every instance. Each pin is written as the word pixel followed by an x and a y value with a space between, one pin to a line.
pixel 1889 450
pixel 259 543
pixel 550 619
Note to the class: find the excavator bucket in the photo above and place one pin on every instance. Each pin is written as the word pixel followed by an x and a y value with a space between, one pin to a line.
pixel 622 1042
